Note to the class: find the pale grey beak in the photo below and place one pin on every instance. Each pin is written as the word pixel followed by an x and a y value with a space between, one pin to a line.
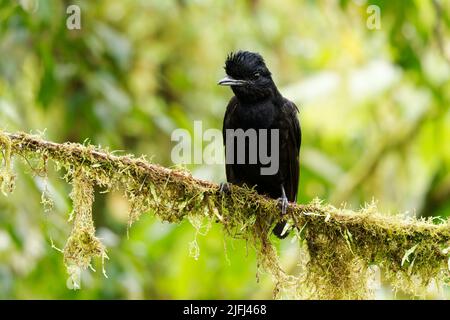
pixel 229 81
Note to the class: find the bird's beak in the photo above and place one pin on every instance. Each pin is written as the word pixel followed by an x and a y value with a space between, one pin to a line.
pixel 229 81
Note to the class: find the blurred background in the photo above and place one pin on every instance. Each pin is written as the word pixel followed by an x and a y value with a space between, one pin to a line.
pixel 374 109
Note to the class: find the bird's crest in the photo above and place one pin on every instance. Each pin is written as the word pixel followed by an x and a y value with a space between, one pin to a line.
pixel 241 64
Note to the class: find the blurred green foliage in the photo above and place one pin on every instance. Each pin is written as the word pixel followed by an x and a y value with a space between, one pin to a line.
pixel 374 108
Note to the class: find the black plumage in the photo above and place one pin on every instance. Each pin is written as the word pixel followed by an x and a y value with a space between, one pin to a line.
pixel 257 104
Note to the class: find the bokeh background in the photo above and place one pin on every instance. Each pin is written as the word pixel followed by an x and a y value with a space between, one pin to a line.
pixel 374 109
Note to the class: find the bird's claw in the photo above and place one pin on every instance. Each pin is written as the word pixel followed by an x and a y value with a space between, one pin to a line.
pixel 283 204
pixel 224 187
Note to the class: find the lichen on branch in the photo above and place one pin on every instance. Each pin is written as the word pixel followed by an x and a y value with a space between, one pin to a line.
pixel 82 245
pixel 342 248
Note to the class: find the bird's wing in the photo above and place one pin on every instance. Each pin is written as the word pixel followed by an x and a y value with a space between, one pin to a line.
pixel 227 124
pixel 293 143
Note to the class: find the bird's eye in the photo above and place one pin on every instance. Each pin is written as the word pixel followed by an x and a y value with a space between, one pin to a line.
pixel 256 75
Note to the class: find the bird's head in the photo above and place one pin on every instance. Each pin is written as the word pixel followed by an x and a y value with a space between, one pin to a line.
pixel 248 76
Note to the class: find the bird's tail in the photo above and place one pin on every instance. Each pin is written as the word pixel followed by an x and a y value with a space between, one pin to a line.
pixel 279 228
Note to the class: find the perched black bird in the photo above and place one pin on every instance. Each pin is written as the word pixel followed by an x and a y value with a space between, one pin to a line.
pixel 257 104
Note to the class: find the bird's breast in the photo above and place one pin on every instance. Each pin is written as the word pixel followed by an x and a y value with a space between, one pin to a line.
pixel 256 116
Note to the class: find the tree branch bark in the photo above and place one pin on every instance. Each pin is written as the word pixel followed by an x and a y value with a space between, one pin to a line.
pixel 341 244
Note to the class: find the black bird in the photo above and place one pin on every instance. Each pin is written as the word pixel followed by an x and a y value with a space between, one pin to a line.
pixel 257 104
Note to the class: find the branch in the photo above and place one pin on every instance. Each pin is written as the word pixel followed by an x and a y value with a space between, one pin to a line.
pixel 341 246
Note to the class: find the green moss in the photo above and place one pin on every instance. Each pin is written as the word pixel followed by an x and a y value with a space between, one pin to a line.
pixel 7 178
pixel 339 247
pixel 82 245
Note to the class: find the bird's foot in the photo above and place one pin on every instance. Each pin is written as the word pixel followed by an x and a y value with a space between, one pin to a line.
pixel 281 229
pixel 225 187
pixel 283 204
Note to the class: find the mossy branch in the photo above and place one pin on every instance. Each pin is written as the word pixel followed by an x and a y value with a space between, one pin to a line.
pixel 342 247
